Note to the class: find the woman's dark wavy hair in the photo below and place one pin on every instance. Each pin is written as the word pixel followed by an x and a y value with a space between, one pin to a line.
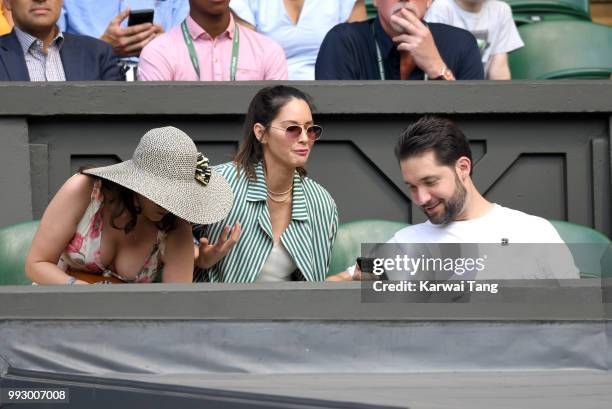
pixel 264 107
pixel 122 199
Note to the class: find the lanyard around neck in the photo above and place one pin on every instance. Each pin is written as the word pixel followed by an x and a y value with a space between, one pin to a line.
pixel 381 67
pixel 194 56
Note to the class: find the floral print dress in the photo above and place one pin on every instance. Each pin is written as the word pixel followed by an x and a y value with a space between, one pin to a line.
pixel 83 251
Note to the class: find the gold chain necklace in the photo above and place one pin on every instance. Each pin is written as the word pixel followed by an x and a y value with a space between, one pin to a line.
pixel 282 193
pixel 279 200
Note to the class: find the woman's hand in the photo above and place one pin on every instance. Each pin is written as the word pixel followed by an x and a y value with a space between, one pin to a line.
pixel 209 254
pixel 343 276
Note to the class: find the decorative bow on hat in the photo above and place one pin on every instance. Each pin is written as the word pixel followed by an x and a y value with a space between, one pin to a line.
pixel 203 171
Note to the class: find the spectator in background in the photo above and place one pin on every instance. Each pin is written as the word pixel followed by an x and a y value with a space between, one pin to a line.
pixel 491 23
pixel 436 164
pixel 210 46
pixel 37 50
pixel 130 220
pixel 107 20
pixel 6 21
pixel 398 45
pixel 298 26
pixel 288 221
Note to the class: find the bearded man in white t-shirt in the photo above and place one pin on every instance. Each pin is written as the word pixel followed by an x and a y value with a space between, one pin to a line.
pixel 436 163
pixel 490 21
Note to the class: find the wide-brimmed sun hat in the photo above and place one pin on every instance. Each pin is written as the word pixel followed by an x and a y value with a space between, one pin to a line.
pixel 168 169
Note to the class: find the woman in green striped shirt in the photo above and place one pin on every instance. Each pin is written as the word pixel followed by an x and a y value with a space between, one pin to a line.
pixel 282 224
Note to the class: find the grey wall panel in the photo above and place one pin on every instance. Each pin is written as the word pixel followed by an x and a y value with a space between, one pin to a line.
pixel 517 300
pixel 285 347
pixel 552 155
pixel 39 162
pixel 15 178
pixel 335 97
pixel 360 189
pixel 533 150
pixel 601 177
pixel 542 197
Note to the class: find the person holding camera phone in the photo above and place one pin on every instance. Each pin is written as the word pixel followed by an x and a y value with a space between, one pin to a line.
pixel 108 20
pixel 436 164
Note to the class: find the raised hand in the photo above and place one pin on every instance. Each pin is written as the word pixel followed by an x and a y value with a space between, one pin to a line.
pixel 418 40
pixel 129 41
pixel 210 254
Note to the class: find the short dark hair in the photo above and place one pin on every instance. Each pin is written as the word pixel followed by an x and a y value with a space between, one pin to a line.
pixel 264 107
pixel 440 135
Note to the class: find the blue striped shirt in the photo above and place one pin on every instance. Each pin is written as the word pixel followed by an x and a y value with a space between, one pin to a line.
pixel 308 237
pixel 42 66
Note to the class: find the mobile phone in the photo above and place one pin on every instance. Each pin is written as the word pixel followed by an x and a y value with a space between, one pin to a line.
pixel 366 264
pixel 140 17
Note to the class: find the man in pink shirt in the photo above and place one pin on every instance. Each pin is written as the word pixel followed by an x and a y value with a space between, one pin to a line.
pixel 210 46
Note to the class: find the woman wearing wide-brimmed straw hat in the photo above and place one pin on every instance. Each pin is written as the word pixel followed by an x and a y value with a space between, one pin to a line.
pixel 130 221
pixel 284 223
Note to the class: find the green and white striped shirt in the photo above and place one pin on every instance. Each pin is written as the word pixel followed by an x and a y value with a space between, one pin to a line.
pixel 309 237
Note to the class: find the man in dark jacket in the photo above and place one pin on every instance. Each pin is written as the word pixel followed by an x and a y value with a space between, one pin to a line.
pixel 36 50
pixel 398 45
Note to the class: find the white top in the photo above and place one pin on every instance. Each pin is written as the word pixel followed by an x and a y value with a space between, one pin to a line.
pixel 499 223
pixel 300 41
pixel 502 224
pixel 279 265
pixel 492 26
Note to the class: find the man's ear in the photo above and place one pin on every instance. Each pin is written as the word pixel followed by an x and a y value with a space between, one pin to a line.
pixel 260 132
pixel 6 4
pixel 463 167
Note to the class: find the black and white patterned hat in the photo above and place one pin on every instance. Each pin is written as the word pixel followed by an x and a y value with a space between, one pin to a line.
pixel 167 169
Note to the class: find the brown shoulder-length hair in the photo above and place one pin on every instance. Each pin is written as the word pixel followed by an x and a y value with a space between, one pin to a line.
pixel 121 199
pixel 264 107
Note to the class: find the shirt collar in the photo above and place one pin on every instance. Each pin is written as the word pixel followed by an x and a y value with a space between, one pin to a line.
pixel 196 31
pixel 26 40
pixel 258 191
pixel 384 41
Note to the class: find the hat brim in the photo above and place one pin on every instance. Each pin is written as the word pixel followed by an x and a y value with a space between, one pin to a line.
pixel 187 199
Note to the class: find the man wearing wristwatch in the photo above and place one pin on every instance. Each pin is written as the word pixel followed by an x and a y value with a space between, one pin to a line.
pixel 398 44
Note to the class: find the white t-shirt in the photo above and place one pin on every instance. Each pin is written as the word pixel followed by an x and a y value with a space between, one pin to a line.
pixel 300 41
pixel 502 225
pixel 492 26
pixel 499 223
pixel 509 226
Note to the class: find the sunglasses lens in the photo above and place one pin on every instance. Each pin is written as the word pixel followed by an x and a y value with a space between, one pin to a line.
pixel 314 132
pixel 293 131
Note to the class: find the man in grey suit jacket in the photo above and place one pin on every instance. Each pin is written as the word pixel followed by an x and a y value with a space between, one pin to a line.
pixel 36 50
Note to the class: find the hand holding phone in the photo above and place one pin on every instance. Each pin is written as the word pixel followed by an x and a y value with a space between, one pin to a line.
pixel 129 41
pixel 140 17
pixel 365 270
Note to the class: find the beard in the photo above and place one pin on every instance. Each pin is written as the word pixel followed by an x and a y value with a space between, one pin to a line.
pixel 453 206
